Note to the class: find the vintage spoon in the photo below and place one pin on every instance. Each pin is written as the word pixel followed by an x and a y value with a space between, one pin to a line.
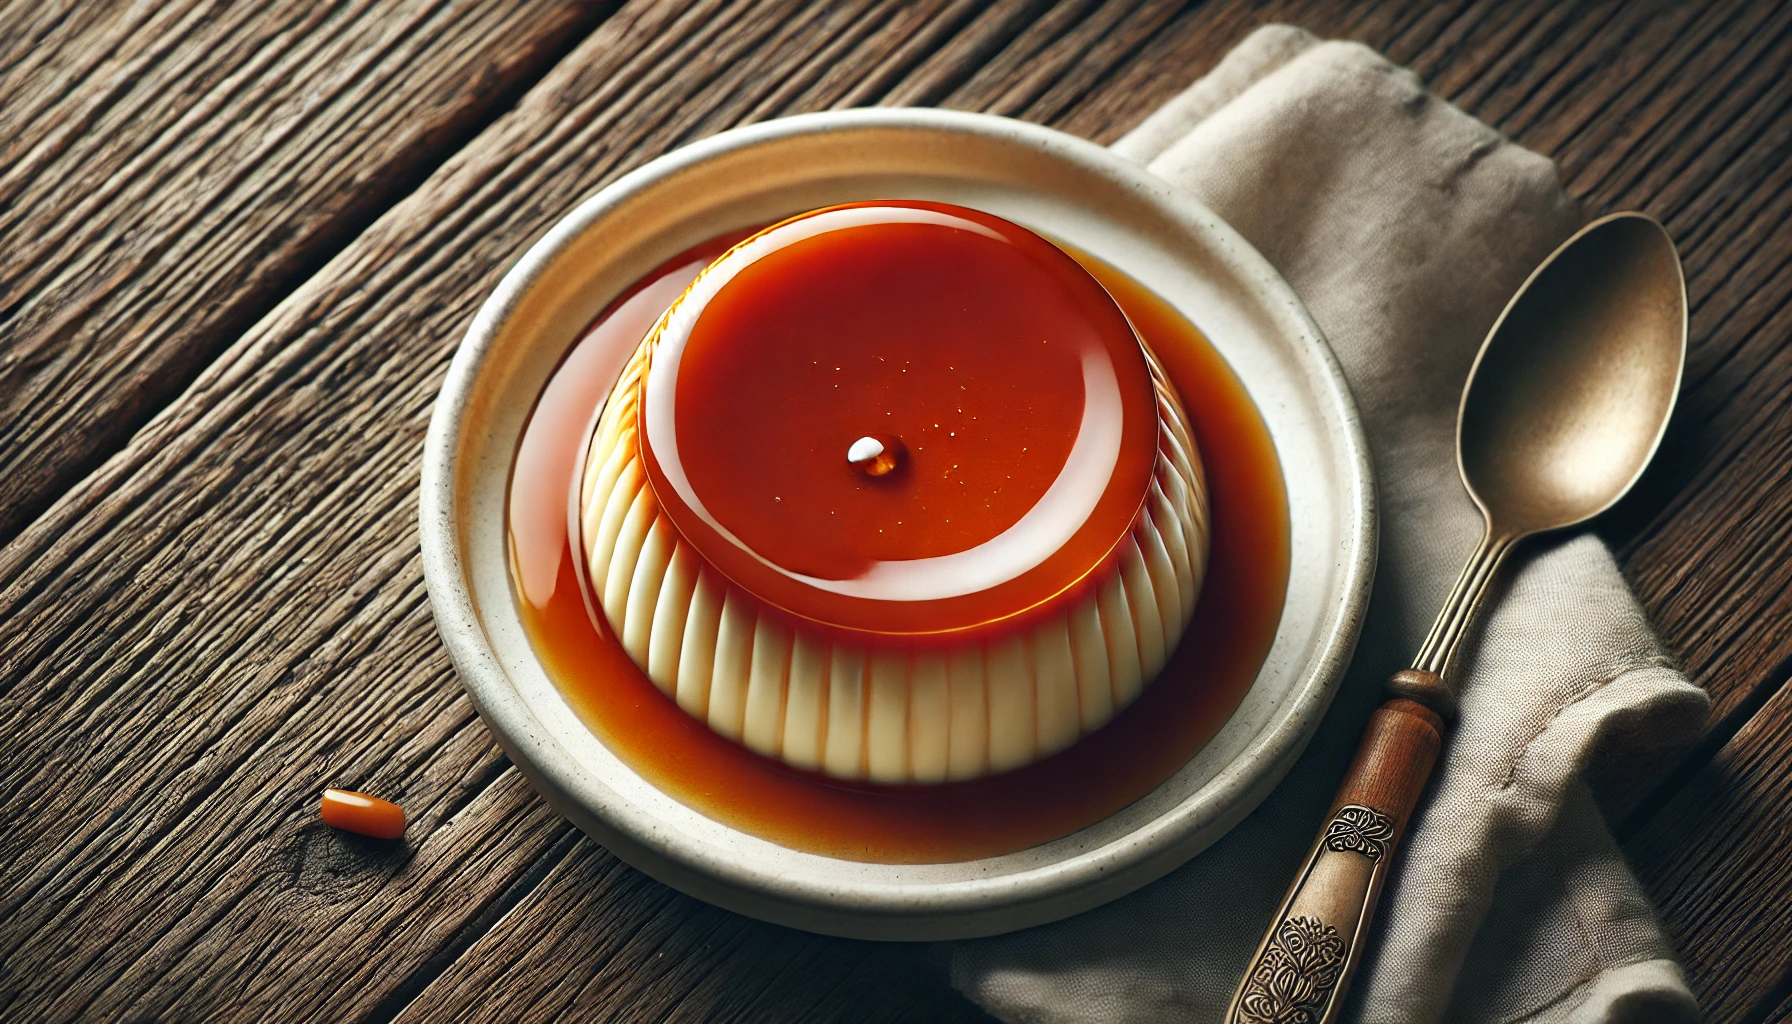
pixel 1563 409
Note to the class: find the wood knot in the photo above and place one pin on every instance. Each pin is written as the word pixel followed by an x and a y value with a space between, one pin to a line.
pixel 333 865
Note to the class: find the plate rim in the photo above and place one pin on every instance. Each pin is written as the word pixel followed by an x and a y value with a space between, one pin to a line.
pixel 876 910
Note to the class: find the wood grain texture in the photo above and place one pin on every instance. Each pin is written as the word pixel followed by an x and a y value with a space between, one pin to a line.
pixel 599 939
pixel 227 615
pixel 169 171
pixel 1399 748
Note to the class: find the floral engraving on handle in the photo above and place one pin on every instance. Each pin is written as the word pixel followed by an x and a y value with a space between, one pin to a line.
pixel 1360 829
pixel 1295 975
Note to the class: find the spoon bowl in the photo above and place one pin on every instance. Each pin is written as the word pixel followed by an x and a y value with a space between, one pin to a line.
pixel 1573 389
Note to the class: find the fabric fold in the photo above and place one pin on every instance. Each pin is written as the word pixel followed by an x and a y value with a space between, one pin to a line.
pixel 1404 225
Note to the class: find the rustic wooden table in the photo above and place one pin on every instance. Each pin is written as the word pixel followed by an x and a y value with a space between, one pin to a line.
pixel 240 245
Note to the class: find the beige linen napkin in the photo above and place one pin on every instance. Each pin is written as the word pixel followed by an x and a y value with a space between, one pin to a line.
pixel 1405 225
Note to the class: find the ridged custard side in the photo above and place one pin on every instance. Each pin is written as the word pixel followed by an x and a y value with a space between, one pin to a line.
pixel 885 712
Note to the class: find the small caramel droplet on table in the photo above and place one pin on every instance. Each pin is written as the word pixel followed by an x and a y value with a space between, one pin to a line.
pixel 362 814
pixel 874 454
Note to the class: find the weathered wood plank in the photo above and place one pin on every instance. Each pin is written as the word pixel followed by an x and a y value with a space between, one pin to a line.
pixel 599 938
pixel 169 171
pixel 957 58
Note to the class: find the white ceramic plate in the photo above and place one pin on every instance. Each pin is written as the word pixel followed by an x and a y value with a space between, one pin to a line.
pixel 1064 187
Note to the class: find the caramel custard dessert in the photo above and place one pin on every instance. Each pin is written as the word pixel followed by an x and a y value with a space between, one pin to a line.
pixel 895 492
pixel 580 642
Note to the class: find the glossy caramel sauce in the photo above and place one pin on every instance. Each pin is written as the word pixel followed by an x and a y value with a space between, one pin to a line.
pixel 1219 655
pixel 1012 380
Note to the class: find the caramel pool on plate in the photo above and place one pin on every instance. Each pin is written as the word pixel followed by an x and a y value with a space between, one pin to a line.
pixel 563 608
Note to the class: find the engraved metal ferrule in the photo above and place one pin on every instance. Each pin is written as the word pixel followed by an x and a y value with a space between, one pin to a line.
pixel 1296 972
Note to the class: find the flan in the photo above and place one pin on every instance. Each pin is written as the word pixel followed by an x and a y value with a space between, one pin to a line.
pixel 894 492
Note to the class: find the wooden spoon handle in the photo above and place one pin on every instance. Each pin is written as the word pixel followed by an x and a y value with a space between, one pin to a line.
pixel 1307 959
